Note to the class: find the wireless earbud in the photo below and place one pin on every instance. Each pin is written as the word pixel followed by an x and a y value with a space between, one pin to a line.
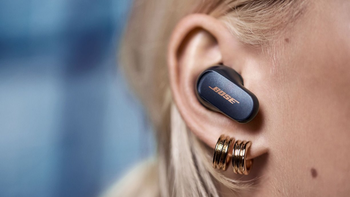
pixel 220 88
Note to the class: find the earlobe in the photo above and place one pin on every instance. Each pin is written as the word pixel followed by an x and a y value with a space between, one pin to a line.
pixel 198 43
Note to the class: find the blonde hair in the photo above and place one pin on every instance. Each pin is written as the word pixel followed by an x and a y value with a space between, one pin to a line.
pixel 182 166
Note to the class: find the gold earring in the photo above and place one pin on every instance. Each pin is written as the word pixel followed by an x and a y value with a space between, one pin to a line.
pixel 223 152
pixel 239 159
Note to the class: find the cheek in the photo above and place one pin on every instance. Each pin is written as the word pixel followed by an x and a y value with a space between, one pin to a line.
pixel 312 112
pixel 318 68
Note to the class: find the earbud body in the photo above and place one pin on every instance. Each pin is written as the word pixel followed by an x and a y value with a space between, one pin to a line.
pixel 220 88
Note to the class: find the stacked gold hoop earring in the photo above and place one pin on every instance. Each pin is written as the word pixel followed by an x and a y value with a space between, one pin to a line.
pixel 239 159
pixel 223 152
pixel 226 149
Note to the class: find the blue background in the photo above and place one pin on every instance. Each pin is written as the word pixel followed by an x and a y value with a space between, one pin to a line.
pixel 67 124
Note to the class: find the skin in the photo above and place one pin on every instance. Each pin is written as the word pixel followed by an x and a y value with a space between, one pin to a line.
pixel 301 136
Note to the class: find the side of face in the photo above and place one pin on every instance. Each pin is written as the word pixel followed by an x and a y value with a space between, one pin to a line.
pixel 302 82
pixel 309 114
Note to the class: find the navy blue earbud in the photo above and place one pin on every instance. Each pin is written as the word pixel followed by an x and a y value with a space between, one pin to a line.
pixel 220 88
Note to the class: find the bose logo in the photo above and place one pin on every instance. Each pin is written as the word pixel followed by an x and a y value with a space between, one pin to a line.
pixel 224 95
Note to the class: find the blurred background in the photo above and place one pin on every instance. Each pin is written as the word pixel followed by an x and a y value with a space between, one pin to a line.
pixel 67 124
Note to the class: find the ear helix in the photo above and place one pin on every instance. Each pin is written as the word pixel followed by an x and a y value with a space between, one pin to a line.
pixel 220 88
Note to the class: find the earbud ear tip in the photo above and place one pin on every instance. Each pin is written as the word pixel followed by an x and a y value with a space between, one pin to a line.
pixel 220 88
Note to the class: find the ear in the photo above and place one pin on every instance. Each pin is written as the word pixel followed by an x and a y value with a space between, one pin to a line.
pixel 197 43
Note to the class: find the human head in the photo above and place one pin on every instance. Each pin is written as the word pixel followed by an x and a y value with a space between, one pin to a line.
pixel 291 53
